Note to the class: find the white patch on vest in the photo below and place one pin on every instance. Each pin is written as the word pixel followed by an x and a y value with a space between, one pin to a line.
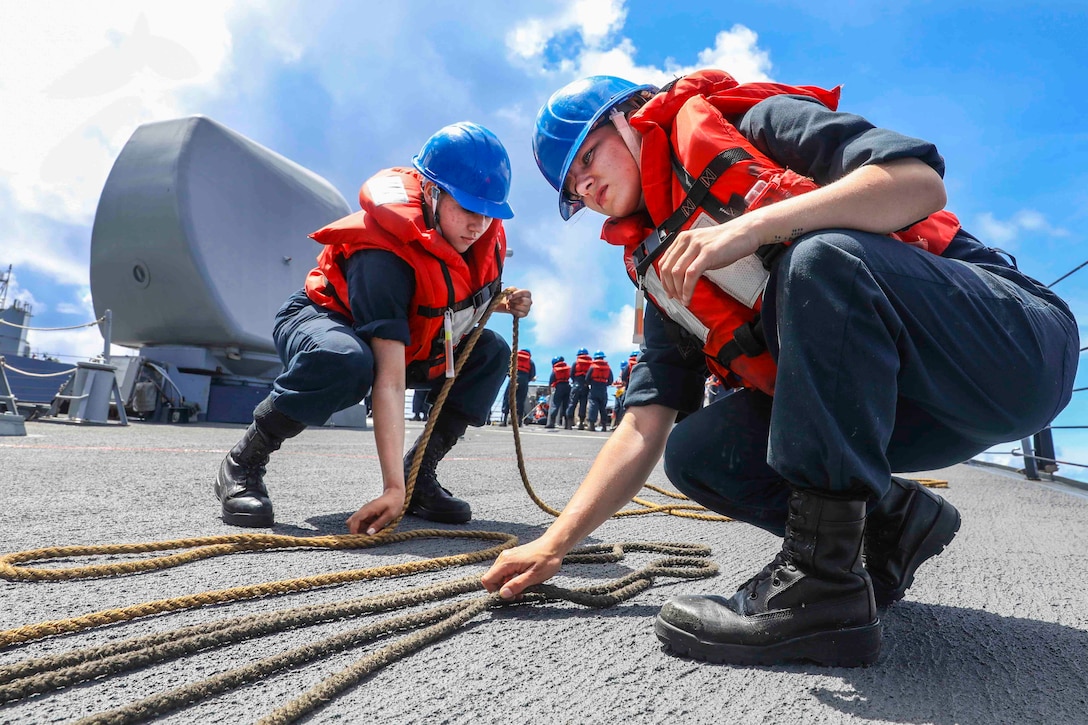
pixel 673 309
pixel 387 190
pixel 466 319
pixel 743 280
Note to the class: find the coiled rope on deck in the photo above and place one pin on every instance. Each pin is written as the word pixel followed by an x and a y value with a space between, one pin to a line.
pixel 46 674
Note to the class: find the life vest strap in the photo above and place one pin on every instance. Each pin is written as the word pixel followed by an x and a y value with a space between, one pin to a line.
pixel 748 340
pixel 697 190
pixel 476 301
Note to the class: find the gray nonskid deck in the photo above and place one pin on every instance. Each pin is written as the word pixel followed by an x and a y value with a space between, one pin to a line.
pixel 995 630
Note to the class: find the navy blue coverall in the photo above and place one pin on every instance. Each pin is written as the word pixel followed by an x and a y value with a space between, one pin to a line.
pixel 889 358
pixel 330 365
pixel 558 408
pixel 598 398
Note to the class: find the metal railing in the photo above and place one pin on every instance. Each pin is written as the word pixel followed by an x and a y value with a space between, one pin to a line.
pixel 1038 451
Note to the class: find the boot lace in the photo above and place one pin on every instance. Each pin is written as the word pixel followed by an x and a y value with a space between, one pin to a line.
pixel 792 551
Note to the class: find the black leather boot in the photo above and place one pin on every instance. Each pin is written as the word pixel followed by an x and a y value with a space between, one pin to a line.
pixel 239 485
pixel 813 602
pixel 906 527
pixel 429 499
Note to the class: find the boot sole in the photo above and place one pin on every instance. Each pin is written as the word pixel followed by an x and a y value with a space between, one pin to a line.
pixel 851 647
pixel 442 517
pixel 944 530
pixel 250 521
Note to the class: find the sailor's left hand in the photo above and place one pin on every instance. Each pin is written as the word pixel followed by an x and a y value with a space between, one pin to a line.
pixel 519 302
pixel 696 251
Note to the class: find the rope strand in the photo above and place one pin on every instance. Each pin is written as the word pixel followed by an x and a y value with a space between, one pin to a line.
pixel 54 329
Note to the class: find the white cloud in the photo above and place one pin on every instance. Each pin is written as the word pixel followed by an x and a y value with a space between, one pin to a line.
pixel 601 53
pixel 735 50
pixel 593 20
pixel 1008 232
pixel 15 292
pixel 78 79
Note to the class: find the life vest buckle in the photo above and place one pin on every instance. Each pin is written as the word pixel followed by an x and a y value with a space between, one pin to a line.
pixel 652 247
pixel 769 254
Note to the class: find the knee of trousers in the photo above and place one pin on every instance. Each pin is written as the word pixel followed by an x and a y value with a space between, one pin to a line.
pixel 813 261
pixel 346 375
pixel 687 452
pixel 491 354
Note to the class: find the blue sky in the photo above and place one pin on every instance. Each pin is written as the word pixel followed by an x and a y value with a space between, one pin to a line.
pixel 346 88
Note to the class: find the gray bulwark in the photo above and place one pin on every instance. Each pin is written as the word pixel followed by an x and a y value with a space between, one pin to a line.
pixel 201 234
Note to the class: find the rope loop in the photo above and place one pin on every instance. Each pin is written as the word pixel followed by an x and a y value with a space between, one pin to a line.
pixel 54 329
pixel 4 364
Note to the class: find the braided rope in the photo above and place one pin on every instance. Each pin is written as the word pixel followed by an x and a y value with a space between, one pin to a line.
pixel 53 329
pixel 45 674
pixel 688 510
pixel 39 675
pixel 4 364
pixel 207 547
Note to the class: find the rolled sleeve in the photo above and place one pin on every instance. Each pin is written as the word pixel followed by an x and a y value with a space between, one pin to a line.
pixel 380 289
pixel 663 375
pixel 802 134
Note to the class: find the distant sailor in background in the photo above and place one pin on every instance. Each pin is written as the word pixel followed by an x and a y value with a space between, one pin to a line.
pixel 579 388
pixel 423 259
pixel 559 382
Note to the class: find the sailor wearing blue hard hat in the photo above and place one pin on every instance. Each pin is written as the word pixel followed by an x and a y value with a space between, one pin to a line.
pixel 417 266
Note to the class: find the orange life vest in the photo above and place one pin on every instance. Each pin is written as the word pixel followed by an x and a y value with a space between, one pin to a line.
pixel 561 371
pixel 698 170
pixel 525 362
pixel 448 284
pixel 581 366
pixel 599 372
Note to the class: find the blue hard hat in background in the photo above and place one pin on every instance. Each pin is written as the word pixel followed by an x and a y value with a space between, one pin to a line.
pixel 583 351
pixel 636 353
pixel 468 162
pixel 599 355
pixel 563 123
pixel 527 351
pixel 557 359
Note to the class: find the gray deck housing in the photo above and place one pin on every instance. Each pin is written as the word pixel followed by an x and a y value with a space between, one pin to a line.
pixel 201 234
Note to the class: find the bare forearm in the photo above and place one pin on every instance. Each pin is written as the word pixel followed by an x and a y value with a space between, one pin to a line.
pixel 617 474
pixel 878 198
pixel 387 398
pixel 388 406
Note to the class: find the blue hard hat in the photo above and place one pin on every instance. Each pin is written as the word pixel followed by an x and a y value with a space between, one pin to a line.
pixel 557 359
pixel 468 162
pixel 527 351
pixel 566 119
pixel 583 351
pixel 636 353
pixel 599 355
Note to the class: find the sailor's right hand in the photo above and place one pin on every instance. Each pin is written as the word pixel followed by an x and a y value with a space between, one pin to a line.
pixel 373 517
pixel 517 569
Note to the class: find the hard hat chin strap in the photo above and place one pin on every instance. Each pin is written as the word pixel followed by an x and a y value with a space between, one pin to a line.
pixel 630 138
pixel 433 194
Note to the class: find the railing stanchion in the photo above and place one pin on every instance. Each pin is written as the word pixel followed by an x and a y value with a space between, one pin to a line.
pixel 1031 472
pixel 1044 451
pixel 107 334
